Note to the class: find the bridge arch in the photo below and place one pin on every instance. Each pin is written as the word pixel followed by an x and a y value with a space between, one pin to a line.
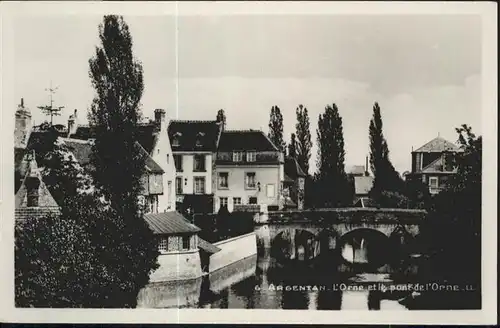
pixel 295 243
pixel 365 249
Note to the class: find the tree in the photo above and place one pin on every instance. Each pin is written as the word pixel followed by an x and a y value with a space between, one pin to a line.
pixel 117 78
pixel 59 258
pixel 221 117
pixel 292 147
pixel 453 228
pixel 386 178
pixel 276 128
pixel 304 143
pixel 332 183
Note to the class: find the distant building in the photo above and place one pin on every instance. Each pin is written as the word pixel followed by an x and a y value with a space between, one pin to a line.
pixel 194 145
pixel 363 183
pixel 294 185
pixel 249 169
pixel 432 163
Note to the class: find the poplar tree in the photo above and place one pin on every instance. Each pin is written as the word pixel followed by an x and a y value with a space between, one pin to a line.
pixel 127 243
pixel 276 128
pixel 292 147
pixel 331 180
pixel 303 133
pixel 386 178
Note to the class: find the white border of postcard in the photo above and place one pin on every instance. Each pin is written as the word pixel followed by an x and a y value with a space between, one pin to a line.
pixel 8 313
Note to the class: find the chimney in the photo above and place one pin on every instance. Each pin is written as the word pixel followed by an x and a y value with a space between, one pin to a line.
pixel 23 126
pixel 366 167
pixel 72 123
pixel 161 119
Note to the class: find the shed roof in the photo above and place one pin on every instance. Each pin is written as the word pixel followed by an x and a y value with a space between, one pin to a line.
pixel 169 223
pixel 207 247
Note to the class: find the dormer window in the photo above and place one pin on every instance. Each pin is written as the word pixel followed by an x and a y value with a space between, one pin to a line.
pixel 251 156
pixel 237 156
pixel 199 137
pixel 175 140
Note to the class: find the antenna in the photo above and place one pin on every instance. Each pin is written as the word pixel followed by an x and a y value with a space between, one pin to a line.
pixel 50 109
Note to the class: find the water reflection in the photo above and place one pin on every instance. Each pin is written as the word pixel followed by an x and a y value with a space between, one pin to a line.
pixel 260 282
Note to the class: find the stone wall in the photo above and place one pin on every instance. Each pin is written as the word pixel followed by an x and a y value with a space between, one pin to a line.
pixel 233 250
pixel 177 266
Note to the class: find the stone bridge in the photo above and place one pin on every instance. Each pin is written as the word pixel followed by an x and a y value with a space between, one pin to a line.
pixel 330 228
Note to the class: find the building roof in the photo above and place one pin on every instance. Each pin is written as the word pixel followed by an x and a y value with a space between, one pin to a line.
pixel 437 145
pixel 47 204
pixel 82 150
pixel 293 169
pixel 362 185
pixel 207 247
pixel 194 135
pixel 357 170
pixel 147 134
pixel 238 140
pixel 169 223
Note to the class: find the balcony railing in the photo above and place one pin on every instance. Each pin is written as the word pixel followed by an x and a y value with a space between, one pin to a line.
pixel 264 157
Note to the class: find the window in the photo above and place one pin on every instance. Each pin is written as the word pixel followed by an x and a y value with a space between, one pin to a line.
pixel 178 162
pixel 199 137
pixel 199 163
pixel 199 185
pixel 251 156
pixel 270 190
pixel 178 185
pixel 163 244
pixel 433 185
pixel 169 192
pixel 223 201
pixel 185 242
pixel 151 205
pixel 223 180
pixel 237 156
pixel 175 140
pixel 250 180
pixel 237 201
pixel 252 200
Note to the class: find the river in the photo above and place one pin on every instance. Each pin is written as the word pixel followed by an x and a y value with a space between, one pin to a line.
pixel 261 282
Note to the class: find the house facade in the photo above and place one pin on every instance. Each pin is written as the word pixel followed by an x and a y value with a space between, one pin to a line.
pixel 194 145
pixel 153 144
pixel 433 165
pixel 293 185
pixel 249 171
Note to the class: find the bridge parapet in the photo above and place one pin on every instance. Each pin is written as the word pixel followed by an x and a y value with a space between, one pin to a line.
pixel 348 215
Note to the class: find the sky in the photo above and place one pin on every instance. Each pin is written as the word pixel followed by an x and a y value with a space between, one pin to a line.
pixel 423 70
